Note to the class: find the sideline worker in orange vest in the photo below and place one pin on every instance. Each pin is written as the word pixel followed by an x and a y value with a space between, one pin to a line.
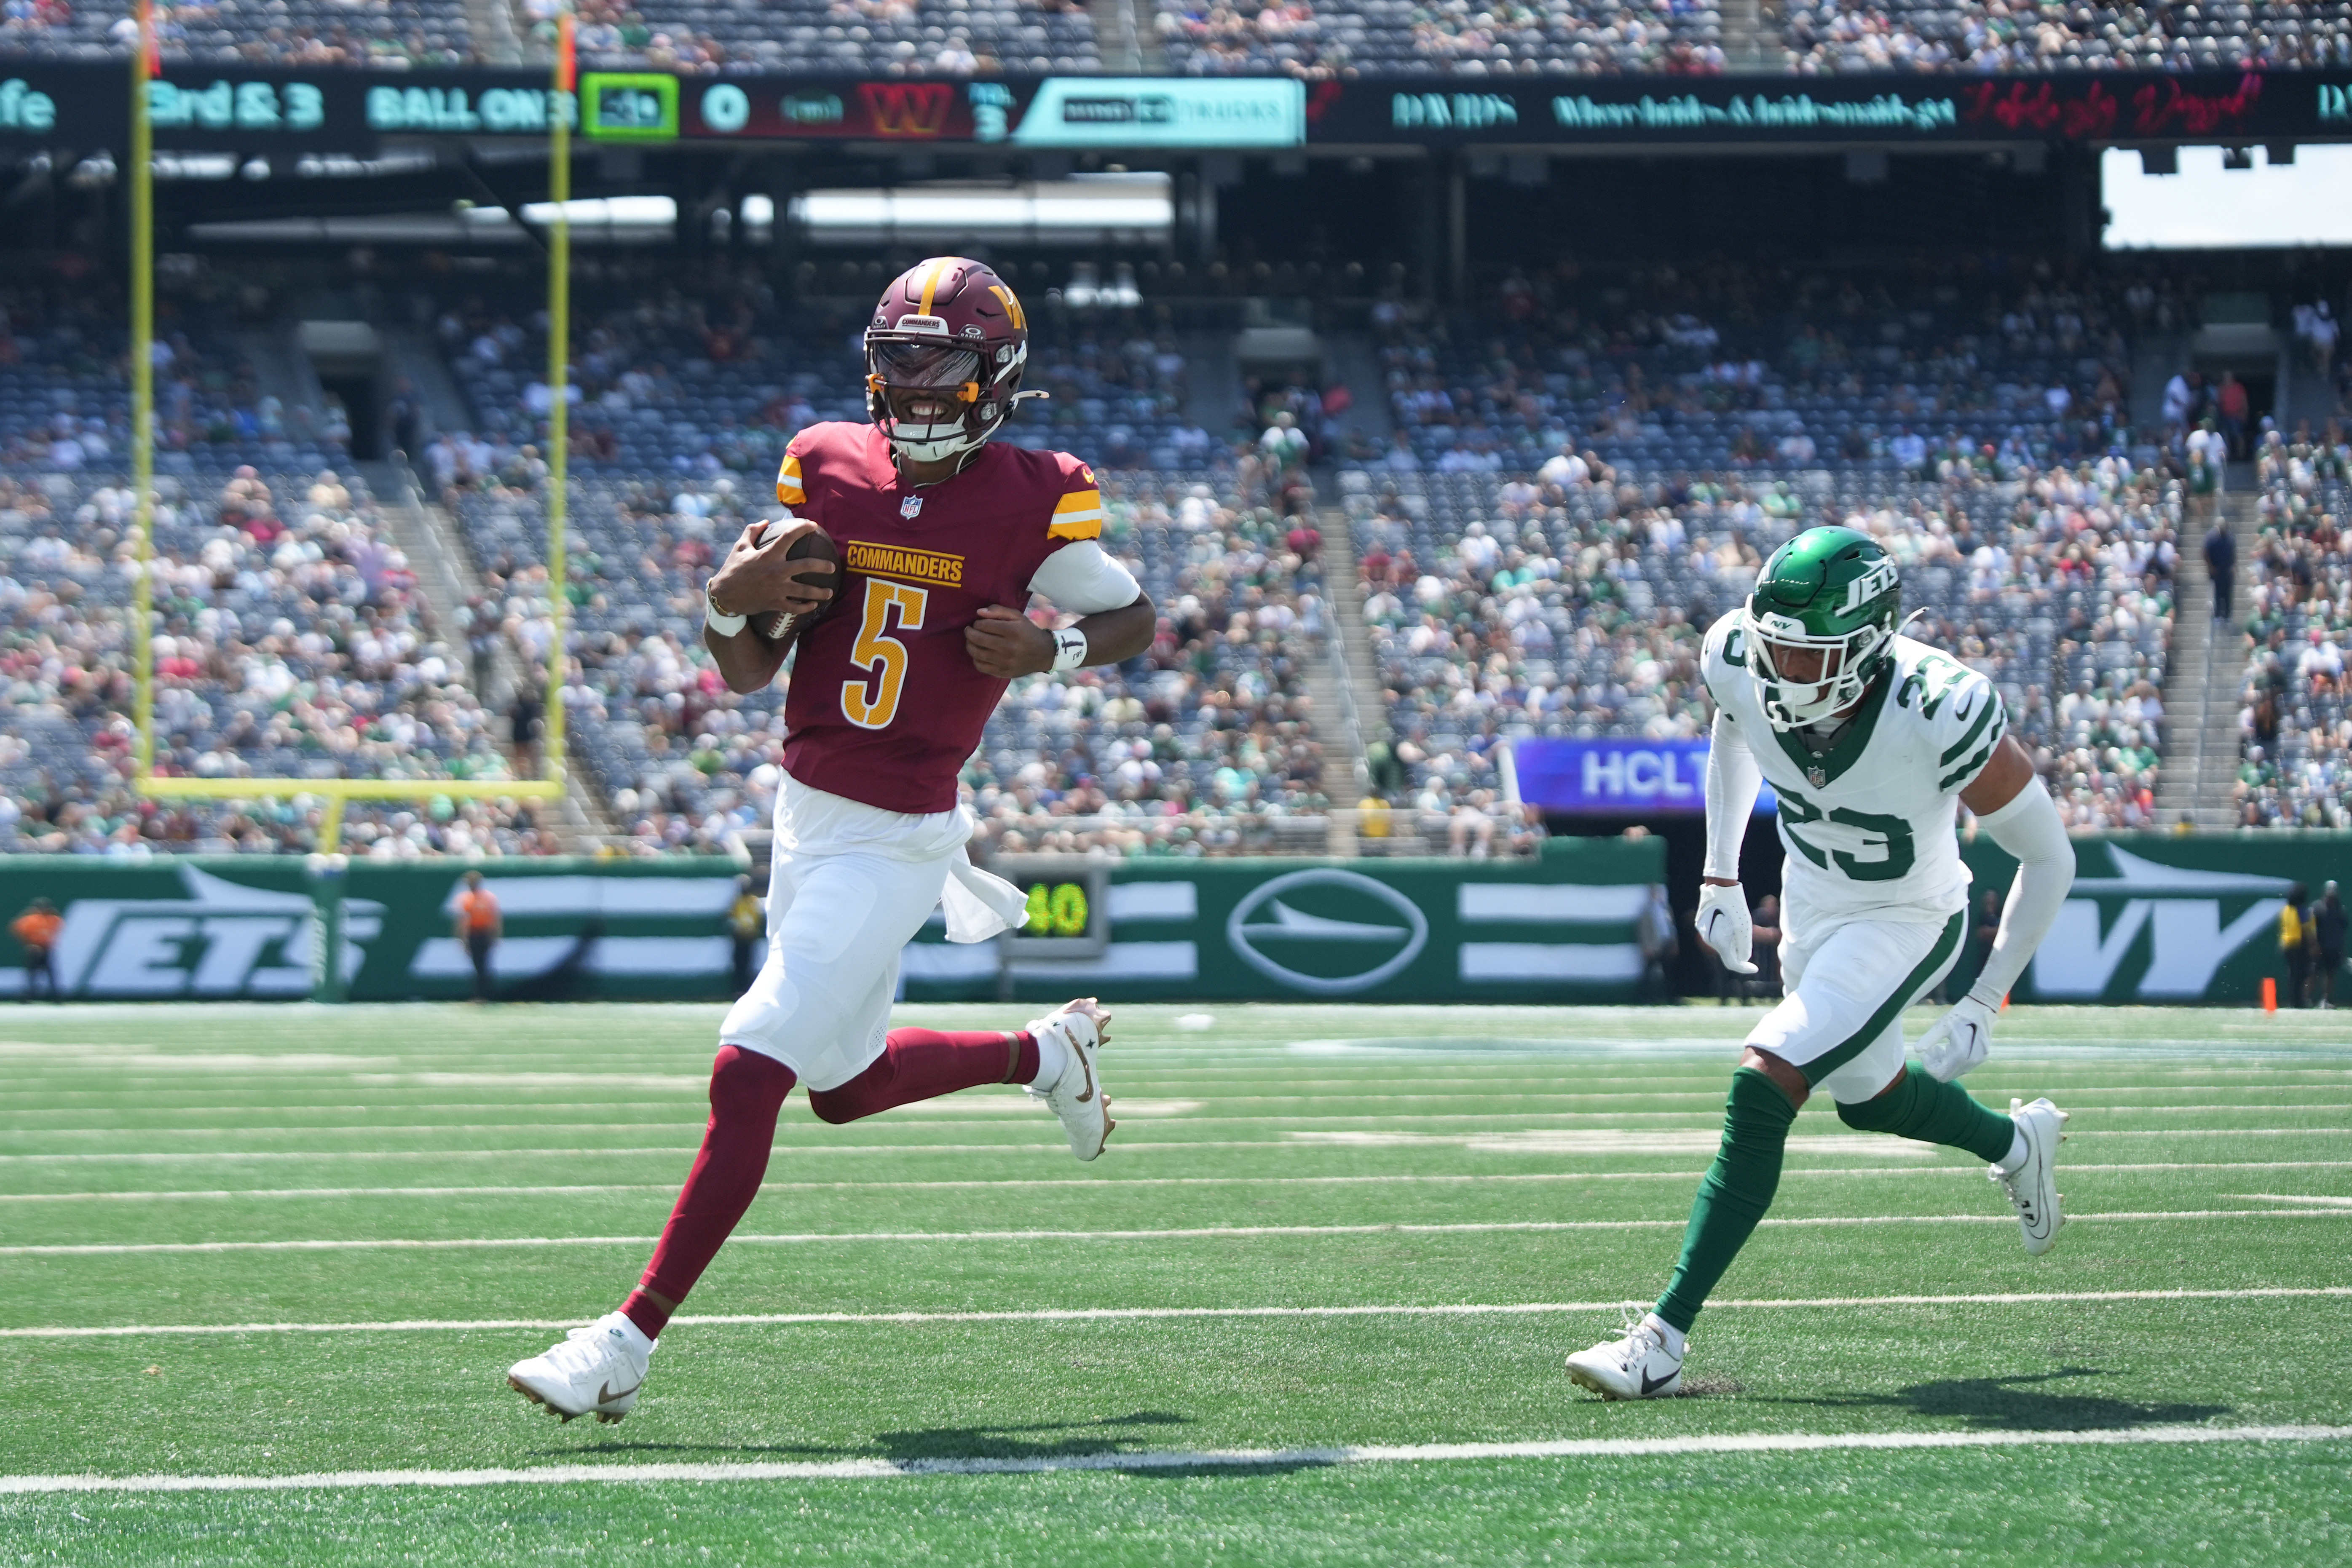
pixel 35 931
pixel 480 928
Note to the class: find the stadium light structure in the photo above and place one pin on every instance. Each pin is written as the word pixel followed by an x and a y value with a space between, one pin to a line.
pixel 1084 209
pixel 146 65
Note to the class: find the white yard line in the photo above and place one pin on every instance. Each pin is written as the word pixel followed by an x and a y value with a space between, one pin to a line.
pixel 1122 1314
pixel 1707 1116
pixel 1102 1182
pixel 877 1469
pixel 1108 1315
pixel 1137 1145
pixel 2295 1198
pixel 1204 1232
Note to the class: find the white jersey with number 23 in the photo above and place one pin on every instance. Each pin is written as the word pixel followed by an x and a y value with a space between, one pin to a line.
pixel 1868 825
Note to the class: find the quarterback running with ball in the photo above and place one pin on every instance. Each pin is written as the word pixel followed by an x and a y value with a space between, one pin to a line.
pixel 940 539
pixel 1869 739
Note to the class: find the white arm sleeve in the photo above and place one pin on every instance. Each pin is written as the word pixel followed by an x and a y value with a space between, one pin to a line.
pixel 1085 579
pixel 2028 828
pixel 1732 780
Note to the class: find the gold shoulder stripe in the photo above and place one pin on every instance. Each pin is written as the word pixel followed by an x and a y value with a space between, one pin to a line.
pixel 789 489
pixel 1089 528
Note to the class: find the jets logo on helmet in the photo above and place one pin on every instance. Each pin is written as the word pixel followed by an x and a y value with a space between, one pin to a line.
pixel 1820 624
pixel 948 344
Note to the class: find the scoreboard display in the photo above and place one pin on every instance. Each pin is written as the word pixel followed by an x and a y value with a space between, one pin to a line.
pixel 1068 905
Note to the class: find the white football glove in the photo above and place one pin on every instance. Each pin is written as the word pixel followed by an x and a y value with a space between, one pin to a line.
pixel 1722 925
pixel 1958 1041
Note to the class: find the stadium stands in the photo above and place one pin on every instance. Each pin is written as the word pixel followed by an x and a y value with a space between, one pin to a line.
pixel 65 393
pixel 1575 605
pixel 970 37
pixel 1994 36
pixel 287 645
pixel 256 32
pixel 682 386
pixel 1738 368
pixel 1556 38
pixel 2296 770
pixel 899 37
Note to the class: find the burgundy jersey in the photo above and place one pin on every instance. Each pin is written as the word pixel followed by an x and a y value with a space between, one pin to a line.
pixel 885 703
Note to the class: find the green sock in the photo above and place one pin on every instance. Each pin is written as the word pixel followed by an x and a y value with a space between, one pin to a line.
pixel 1733 1195
pixel 1934 1113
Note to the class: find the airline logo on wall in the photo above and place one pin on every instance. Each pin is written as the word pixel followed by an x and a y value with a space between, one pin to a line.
pixel 1326 933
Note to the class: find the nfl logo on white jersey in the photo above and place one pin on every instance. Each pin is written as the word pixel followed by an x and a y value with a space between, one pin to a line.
pixel 912 506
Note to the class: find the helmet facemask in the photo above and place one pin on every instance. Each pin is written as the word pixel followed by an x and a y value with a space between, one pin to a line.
pixel 1803 679
pixel 917 362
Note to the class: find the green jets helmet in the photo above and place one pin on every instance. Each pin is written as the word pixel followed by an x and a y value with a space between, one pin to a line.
pixel 1830 592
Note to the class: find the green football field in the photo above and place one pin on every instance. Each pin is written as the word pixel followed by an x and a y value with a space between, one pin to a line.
pixel 262 1271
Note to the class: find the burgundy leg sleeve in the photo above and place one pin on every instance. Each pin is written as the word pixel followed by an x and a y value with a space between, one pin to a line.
pixel 923 1065
pixel 747 1090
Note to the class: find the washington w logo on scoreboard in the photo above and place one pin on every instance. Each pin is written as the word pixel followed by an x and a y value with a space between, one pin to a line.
pixel 907 108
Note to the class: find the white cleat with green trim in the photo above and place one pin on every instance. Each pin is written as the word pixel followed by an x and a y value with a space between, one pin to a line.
pixel 2033 1187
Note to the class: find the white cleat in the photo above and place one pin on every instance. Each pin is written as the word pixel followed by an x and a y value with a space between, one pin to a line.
pixel 1083 1026
pixel 2033 1187
pixel 1638 1366
pixel 596 1370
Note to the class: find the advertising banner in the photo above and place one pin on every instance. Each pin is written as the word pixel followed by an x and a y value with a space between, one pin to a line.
pixel 1564 928
pixel 2166 106
pixel 2156 918
pixel 257 110
pixel 1618 776
pixel 1165 111
pixel 2152 919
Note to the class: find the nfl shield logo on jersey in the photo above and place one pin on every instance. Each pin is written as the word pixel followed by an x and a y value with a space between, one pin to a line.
pixel 912 506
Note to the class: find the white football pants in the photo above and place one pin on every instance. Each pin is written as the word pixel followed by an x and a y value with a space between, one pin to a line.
pixel 1845 987
pixel 851 886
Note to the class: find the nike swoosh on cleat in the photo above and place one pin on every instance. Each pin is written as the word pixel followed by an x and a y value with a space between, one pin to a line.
pixel 605 1396
pixel 1651 1385
pixel 1089 1066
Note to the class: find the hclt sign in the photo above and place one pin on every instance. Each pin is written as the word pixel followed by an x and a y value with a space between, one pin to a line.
pixel 1619 774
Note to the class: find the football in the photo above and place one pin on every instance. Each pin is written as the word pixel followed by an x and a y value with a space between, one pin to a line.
pixel 783 625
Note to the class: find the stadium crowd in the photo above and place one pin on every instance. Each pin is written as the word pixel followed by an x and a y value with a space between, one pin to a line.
pixel 2296 724
pixel 1995 36
pixel 287 645
pixel 902 37
pixel 1555 38
pixel 1295 37
pixel 1573 602
pixel 1740 367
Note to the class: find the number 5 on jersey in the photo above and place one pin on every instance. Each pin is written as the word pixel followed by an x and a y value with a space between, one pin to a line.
pixel 872 702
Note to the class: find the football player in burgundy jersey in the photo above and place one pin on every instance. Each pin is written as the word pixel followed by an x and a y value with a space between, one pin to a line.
pixel 942 537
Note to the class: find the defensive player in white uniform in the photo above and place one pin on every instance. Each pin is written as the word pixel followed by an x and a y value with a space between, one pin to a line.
pixel 1871 741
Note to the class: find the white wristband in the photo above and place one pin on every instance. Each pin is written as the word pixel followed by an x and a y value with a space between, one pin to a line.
pixel 724 625
pixel 1069 649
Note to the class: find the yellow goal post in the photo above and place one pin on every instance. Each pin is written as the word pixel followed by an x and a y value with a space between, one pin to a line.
pixel 146 63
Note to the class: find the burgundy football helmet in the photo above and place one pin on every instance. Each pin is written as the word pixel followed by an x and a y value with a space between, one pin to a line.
pixel 949 328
